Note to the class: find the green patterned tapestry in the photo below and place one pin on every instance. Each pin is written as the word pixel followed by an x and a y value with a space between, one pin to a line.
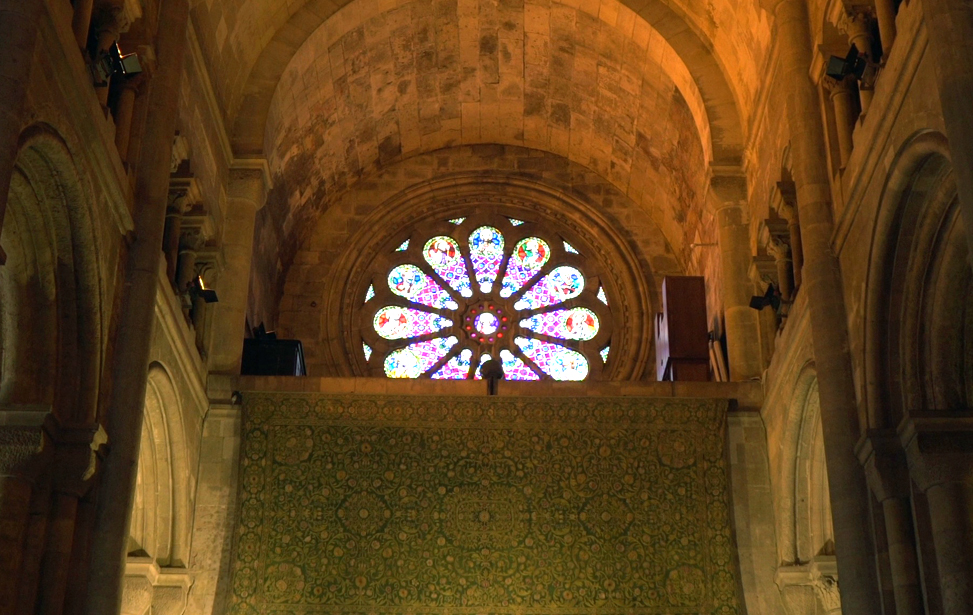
pixel 371 504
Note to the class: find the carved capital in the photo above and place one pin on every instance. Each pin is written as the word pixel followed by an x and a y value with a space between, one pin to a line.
pixel 939 449
pixel 855 22
pixel 250 181
pixel 728 187
pixel 23 442
pixel 826 588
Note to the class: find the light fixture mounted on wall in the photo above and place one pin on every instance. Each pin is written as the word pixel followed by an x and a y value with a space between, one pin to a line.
pixel 198 289
pixel 852 64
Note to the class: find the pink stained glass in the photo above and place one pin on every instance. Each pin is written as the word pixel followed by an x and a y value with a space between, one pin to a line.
pixel 528 257
pixel 486 254
pixel 397 323
pixel 514 368
pixel 416 359
pixel 444 256
pixel 457 368
pixel 557 361
pixel 412 283
pixel 559 285
pixel 573 324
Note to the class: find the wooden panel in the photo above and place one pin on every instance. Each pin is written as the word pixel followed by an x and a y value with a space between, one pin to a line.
pixel 681 335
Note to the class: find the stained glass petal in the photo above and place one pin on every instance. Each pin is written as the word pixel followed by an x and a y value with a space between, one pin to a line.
pixel 604 353
pixel 602 296
pixel 559 285
pixel 403 246
pixel 416 359
pixel 557 361
pixel 573 324
pixel 412 283
pixel 457 221
pixel 486 253
pixel 368 351
pixel 443 255
pixel 529 255
pixel 483 359
pixel 398 323
pixel 569 248
pixel 514 368
pixel 457 368
pixel 370 293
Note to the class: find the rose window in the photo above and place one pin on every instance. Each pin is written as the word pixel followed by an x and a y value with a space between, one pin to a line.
pixel 445 303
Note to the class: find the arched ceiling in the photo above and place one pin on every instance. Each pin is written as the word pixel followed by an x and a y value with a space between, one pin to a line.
pixel 249 43
pixel 367 90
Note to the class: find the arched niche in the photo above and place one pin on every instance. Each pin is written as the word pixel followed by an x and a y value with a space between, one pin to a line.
pixel 918 346
pixel 50 292
pixel 160 525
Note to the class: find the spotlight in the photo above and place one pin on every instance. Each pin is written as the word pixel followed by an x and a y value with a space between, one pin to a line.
pixel 198 288
pixel 113 62
pixel 853 64
pixel 770 298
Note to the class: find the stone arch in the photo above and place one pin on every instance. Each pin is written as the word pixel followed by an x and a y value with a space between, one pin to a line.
pixel 804 520
pixel 917 335
pixel 51 320
pixel 161 514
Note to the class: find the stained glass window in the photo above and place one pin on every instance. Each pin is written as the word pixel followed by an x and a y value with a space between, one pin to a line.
pixel 559 285
pixel 486 252
pixel 443 255
pixel 416 359
pixel 397 323
pixel 574 324
pixel 557 361
pixel 412 283
pixel 528 257
pixel 403 246
pixel 481 300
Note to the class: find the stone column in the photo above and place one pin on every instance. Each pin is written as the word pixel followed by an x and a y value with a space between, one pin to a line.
pixel 841 92
pixel 19 24
pixel 81 22
pixel 940 456
pixel 885 467
pixel 856 24
pixel 124 114
pixel 787 208
pixel 782 258
pixel 136 315
pixel 885 13
pixel 729 191
pixel 950 25
pixel 829 324
pixel 249 183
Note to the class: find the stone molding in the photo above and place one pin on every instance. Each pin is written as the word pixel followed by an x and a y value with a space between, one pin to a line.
pixel 939 449
pixel 886 468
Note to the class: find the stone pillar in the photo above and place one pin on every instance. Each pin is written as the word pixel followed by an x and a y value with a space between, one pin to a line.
pixel 249 183
pixel 829 324
pixel 124 114
pixel 787 208
pixel 136 315
pixel 950 25
pixel 940 456
pixel 729 191
pixel 885 13
pixel 81 22
pixel 19 24
pixel 782 258
pixel 856 24
pixel 885 467
pixel 841 92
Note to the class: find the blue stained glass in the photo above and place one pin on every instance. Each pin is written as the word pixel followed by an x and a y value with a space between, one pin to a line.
pixel 457 368
pixel 403 246
pixel 443 255
pixel 457 221
pixel 569 248
pixel 370 293
pixel 573 324
pixel 416 359
pixel 604 353
pixel 602 296
pixel 528 257
pixel 398 323
pixel 486 253
pixel 515 221
pixel 514 368
pixel 559 285
pixel 557 361
pixel 412 283
pixel 368 351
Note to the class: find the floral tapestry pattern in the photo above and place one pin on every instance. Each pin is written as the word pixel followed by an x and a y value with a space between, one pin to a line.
pixel 372 504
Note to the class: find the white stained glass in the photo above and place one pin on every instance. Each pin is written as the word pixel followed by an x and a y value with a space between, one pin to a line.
pixel 457 221
pixel 370 293
pixel 602 296
pixel 368 351
pixel 515 221
pixel 568 247
pixel 604 353
pixel 403 246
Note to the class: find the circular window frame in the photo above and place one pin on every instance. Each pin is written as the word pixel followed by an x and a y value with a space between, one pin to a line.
pixel 390 258
pixel 612 254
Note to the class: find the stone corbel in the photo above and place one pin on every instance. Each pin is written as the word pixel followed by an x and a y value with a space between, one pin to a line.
pixel 250 181
pixel 805 586
pixel 25 447
pixel 939 449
